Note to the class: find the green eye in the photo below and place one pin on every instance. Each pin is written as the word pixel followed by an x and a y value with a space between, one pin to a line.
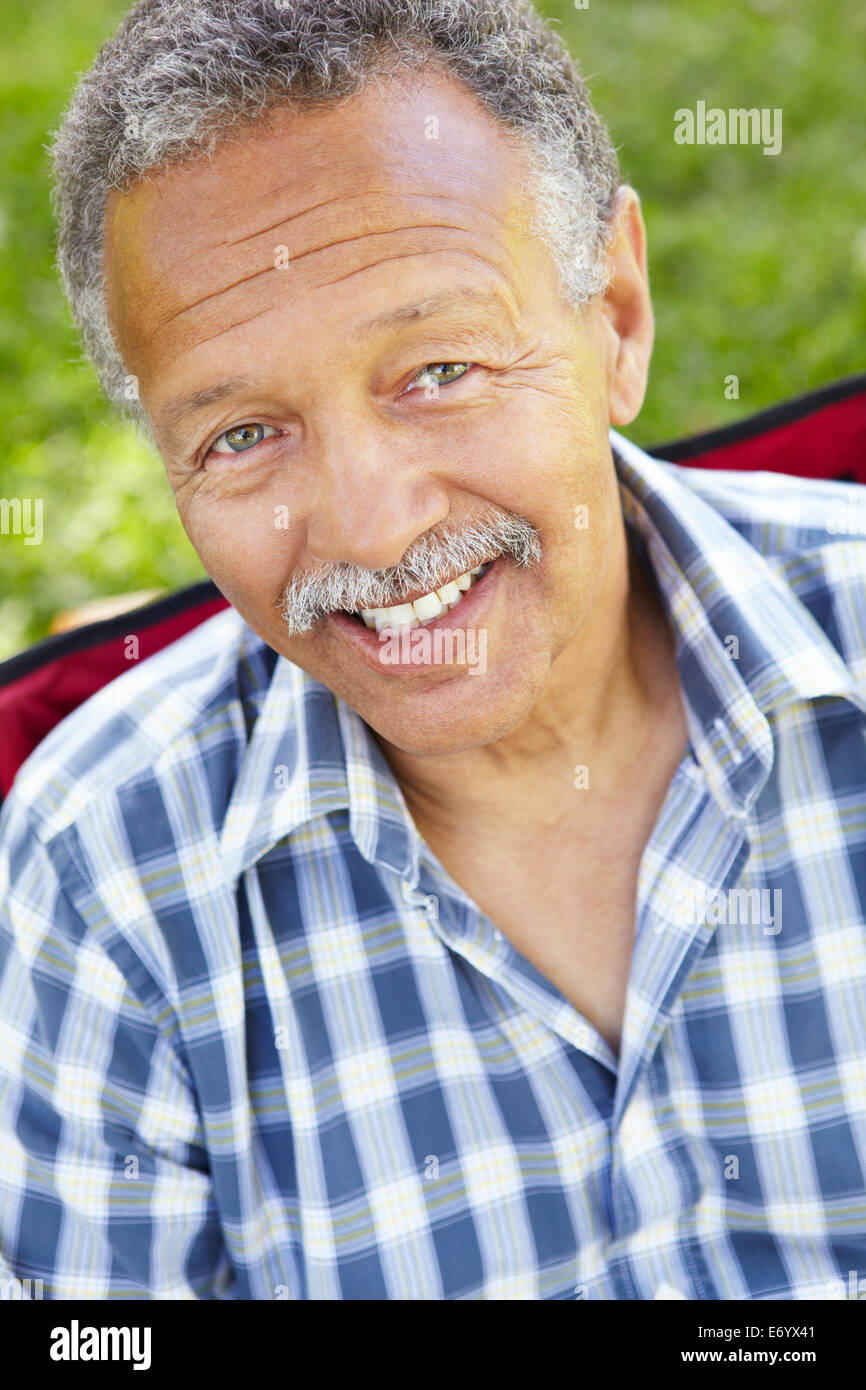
pixel 240 438
pixel 440 374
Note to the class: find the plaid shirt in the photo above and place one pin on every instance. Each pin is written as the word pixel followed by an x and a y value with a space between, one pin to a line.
pixel 255 1042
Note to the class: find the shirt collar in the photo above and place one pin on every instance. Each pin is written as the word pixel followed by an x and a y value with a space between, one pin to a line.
pixel 308 753
pixel 745 643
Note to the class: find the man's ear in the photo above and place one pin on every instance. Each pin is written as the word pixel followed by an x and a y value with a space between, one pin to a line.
pixel 627 309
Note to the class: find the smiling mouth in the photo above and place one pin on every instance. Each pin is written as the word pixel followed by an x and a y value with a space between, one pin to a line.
pixel 422 610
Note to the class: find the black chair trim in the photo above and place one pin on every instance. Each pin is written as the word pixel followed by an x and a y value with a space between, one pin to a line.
pixel 679 450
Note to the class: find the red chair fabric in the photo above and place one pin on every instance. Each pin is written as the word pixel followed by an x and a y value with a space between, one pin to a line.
pixel 819 435
pixel 42 685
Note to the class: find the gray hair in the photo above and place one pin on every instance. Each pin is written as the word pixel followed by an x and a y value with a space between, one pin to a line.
pixel 429 562
pixel 180 73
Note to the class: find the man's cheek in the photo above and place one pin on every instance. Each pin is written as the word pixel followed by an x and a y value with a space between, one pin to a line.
pixel 247 558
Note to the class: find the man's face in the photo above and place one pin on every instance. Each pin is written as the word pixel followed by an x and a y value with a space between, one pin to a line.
pixel 298 284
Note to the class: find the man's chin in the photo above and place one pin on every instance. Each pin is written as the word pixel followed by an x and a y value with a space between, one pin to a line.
pixel 442 688
pixel 436 723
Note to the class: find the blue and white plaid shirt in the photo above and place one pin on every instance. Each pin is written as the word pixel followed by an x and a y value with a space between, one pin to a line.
pixel 255 1043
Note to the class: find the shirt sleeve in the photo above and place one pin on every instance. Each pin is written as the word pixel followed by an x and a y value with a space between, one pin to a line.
pixel 105 1189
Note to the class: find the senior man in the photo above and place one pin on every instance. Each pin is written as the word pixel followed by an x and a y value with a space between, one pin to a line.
pixel 343 967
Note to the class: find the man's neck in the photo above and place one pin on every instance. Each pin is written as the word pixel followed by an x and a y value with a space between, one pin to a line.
pixel 605 692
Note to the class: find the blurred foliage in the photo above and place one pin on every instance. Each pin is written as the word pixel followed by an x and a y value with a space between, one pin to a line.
pixel 757 263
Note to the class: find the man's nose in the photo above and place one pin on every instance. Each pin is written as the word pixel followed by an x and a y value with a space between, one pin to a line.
pixel 371 498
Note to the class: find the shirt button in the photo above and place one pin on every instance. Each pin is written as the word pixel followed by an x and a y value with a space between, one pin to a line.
pixel 497 934
pixel 669 1291
pixel 431 907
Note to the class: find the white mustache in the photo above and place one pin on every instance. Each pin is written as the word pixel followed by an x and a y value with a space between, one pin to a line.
pixel 427 565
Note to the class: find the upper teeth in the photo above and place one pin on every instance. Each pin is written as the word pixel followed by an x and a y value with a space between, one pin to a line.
pixel 424 609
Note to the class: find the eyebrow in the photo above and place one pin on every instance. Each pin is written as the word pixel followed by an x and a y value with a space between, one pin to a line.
pixel 199 400
pixel 426 308
pixel 449 300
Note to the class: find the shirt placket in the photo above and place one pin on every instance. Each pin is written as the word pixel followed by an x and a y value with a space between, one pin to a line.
pixel 709 854
pixel 460 925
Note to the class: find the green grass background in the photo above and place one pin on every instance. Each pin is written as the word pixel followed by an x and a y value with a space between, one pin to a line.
pixel 757 264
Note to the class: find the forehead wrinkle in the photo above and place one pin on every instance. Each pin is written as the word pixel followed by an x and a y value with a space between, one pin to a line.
pixel 312 251
pixel 472 255
pixel 214 294
pixel 324 284
pixel 230 327
pixel 350 197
